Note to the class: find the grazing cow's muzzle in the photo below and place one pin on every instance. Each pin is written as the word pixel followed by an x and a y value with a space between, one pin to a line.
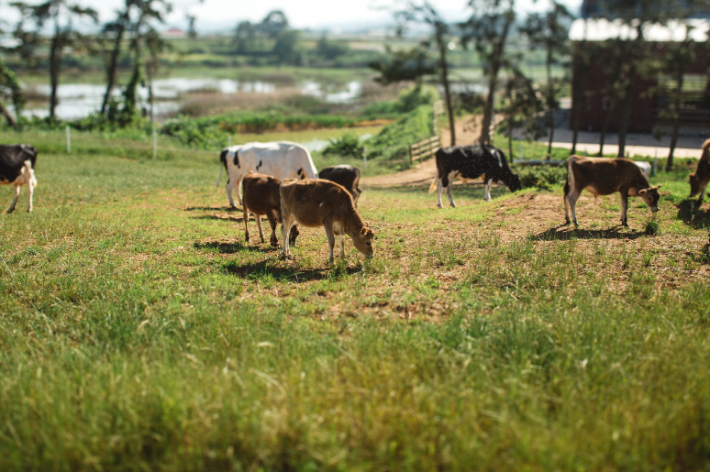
pixel 654 209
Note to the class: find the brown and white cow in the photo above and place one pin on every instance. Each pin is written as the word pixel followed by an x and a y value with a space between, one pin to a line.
pixel 261 197
pixel 603 176
pixel 17 167
pixel 699 180
pixel 317 202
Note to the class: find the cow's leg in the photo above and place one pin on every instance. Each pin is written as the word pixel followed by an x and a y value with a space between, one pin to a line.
pixel 30 191
pixel 566 200
pixel 452 176
pixel 699 202
pixel 439 188
pixel 14 200
pixel 331 238
pixel 246 223
pixel 487 190
pixel 31 182
pixel 572 197
pixel 293 235
pixel 230 188
pixel 258 225
pixel 624 206
pixel 272 223
pixel 285 231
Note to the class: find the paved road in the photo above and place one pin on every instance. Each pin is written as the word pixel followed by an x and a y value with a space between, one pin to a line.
pixel 636 144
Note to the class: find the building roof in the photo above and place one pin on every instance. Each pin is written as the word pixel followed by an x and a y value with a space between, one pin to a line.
pixel 672 31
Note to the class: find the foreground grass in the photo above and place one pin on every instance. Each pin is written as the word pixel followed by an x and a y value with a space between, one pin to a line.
pixel 140 332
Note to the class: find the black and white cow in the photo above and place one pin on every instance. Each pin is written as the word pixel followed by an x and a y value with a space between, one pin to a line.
pixel 17 167
pixel 282 160
pixel 470 162
pixel 345 175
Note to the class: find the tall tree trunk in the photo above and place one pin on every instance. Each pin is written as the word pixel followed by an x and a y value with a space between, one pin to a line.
pixel 496 61
pixel 625 112
pixel 605 125
pixel 55 64
pixel 112 67
pixel 445 81
pixel 550 103
pixel 485 137
pixel 8 116
pixel 676 120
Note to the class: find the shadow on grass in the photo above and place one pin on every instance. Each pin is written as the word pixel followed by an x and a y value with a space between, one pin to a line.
pixel 554 234
pixel 291 274
pixel 696 219
pixel 234 247
pixel 236 219
pixel 224 208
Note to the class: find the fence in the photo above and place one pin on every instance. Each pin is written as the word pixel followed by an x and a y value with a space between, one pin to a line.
pixel 423 149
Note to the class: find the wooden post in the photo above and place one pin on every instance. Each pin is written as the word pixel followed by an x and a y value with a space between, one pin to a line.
pixel 411 157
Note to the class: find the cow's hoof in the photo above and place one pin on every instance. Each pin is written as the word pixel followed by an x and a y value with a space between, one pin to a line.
pixel 439 206
pixel 453 205
pixel 246 239
pixel 274 244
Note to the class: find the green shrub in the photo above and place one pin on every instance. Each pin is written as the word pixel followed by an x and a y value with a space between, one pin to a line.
pixel 542 177
pixel 348 145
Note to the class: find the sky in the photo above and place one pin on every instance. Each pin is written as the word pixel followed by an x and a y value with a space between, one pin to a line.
pixel 222 15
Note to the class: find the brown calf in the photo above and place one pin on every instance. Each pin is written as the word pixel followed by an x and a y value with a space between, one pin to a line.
pixel 602 176
pixel 699 180
pixel 261 197
pixel 317 202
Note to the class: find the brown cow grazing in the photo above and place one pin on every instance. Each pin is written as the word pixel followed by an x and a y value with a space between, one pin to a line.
pixel 603 176
pixel 317 202
pixel 345 175
pixel 699 180
pixel 261 197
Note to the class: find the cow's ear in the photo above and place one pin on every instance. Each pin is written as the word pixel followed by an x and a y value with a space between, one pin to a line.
pixel 659 186
pixel 642 191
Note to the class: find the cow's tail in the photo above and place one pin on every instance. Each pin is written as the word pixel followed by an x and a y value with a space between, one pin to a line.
pixel 432 187
pixel 223 160
pixel 570 174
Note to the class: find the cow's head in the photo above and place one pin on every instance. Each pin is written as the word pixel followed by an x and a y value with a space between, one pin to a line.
pixel 512 181
pixel 695 184
pixel 650 197
pixel 363 241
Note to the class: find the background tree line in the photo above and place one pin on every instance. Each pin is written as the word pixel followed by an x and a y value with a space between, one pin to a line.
pixel 492 31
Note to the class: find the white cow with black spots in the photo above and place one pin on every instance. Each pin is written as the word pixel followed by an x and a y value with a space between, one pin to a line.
pixel 17 167
pixel 282 160
pixel 469 162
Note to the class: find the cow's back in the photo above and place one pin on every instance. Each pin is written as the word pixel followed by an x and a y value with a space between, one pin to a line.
pixel 283 160
pixel 312 200
pixel 469 161
pixel 346 175
pixel 604 176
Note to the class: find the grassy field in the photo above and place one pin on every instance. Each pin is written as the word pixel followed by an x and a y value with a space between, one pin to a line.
pixel 140 332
